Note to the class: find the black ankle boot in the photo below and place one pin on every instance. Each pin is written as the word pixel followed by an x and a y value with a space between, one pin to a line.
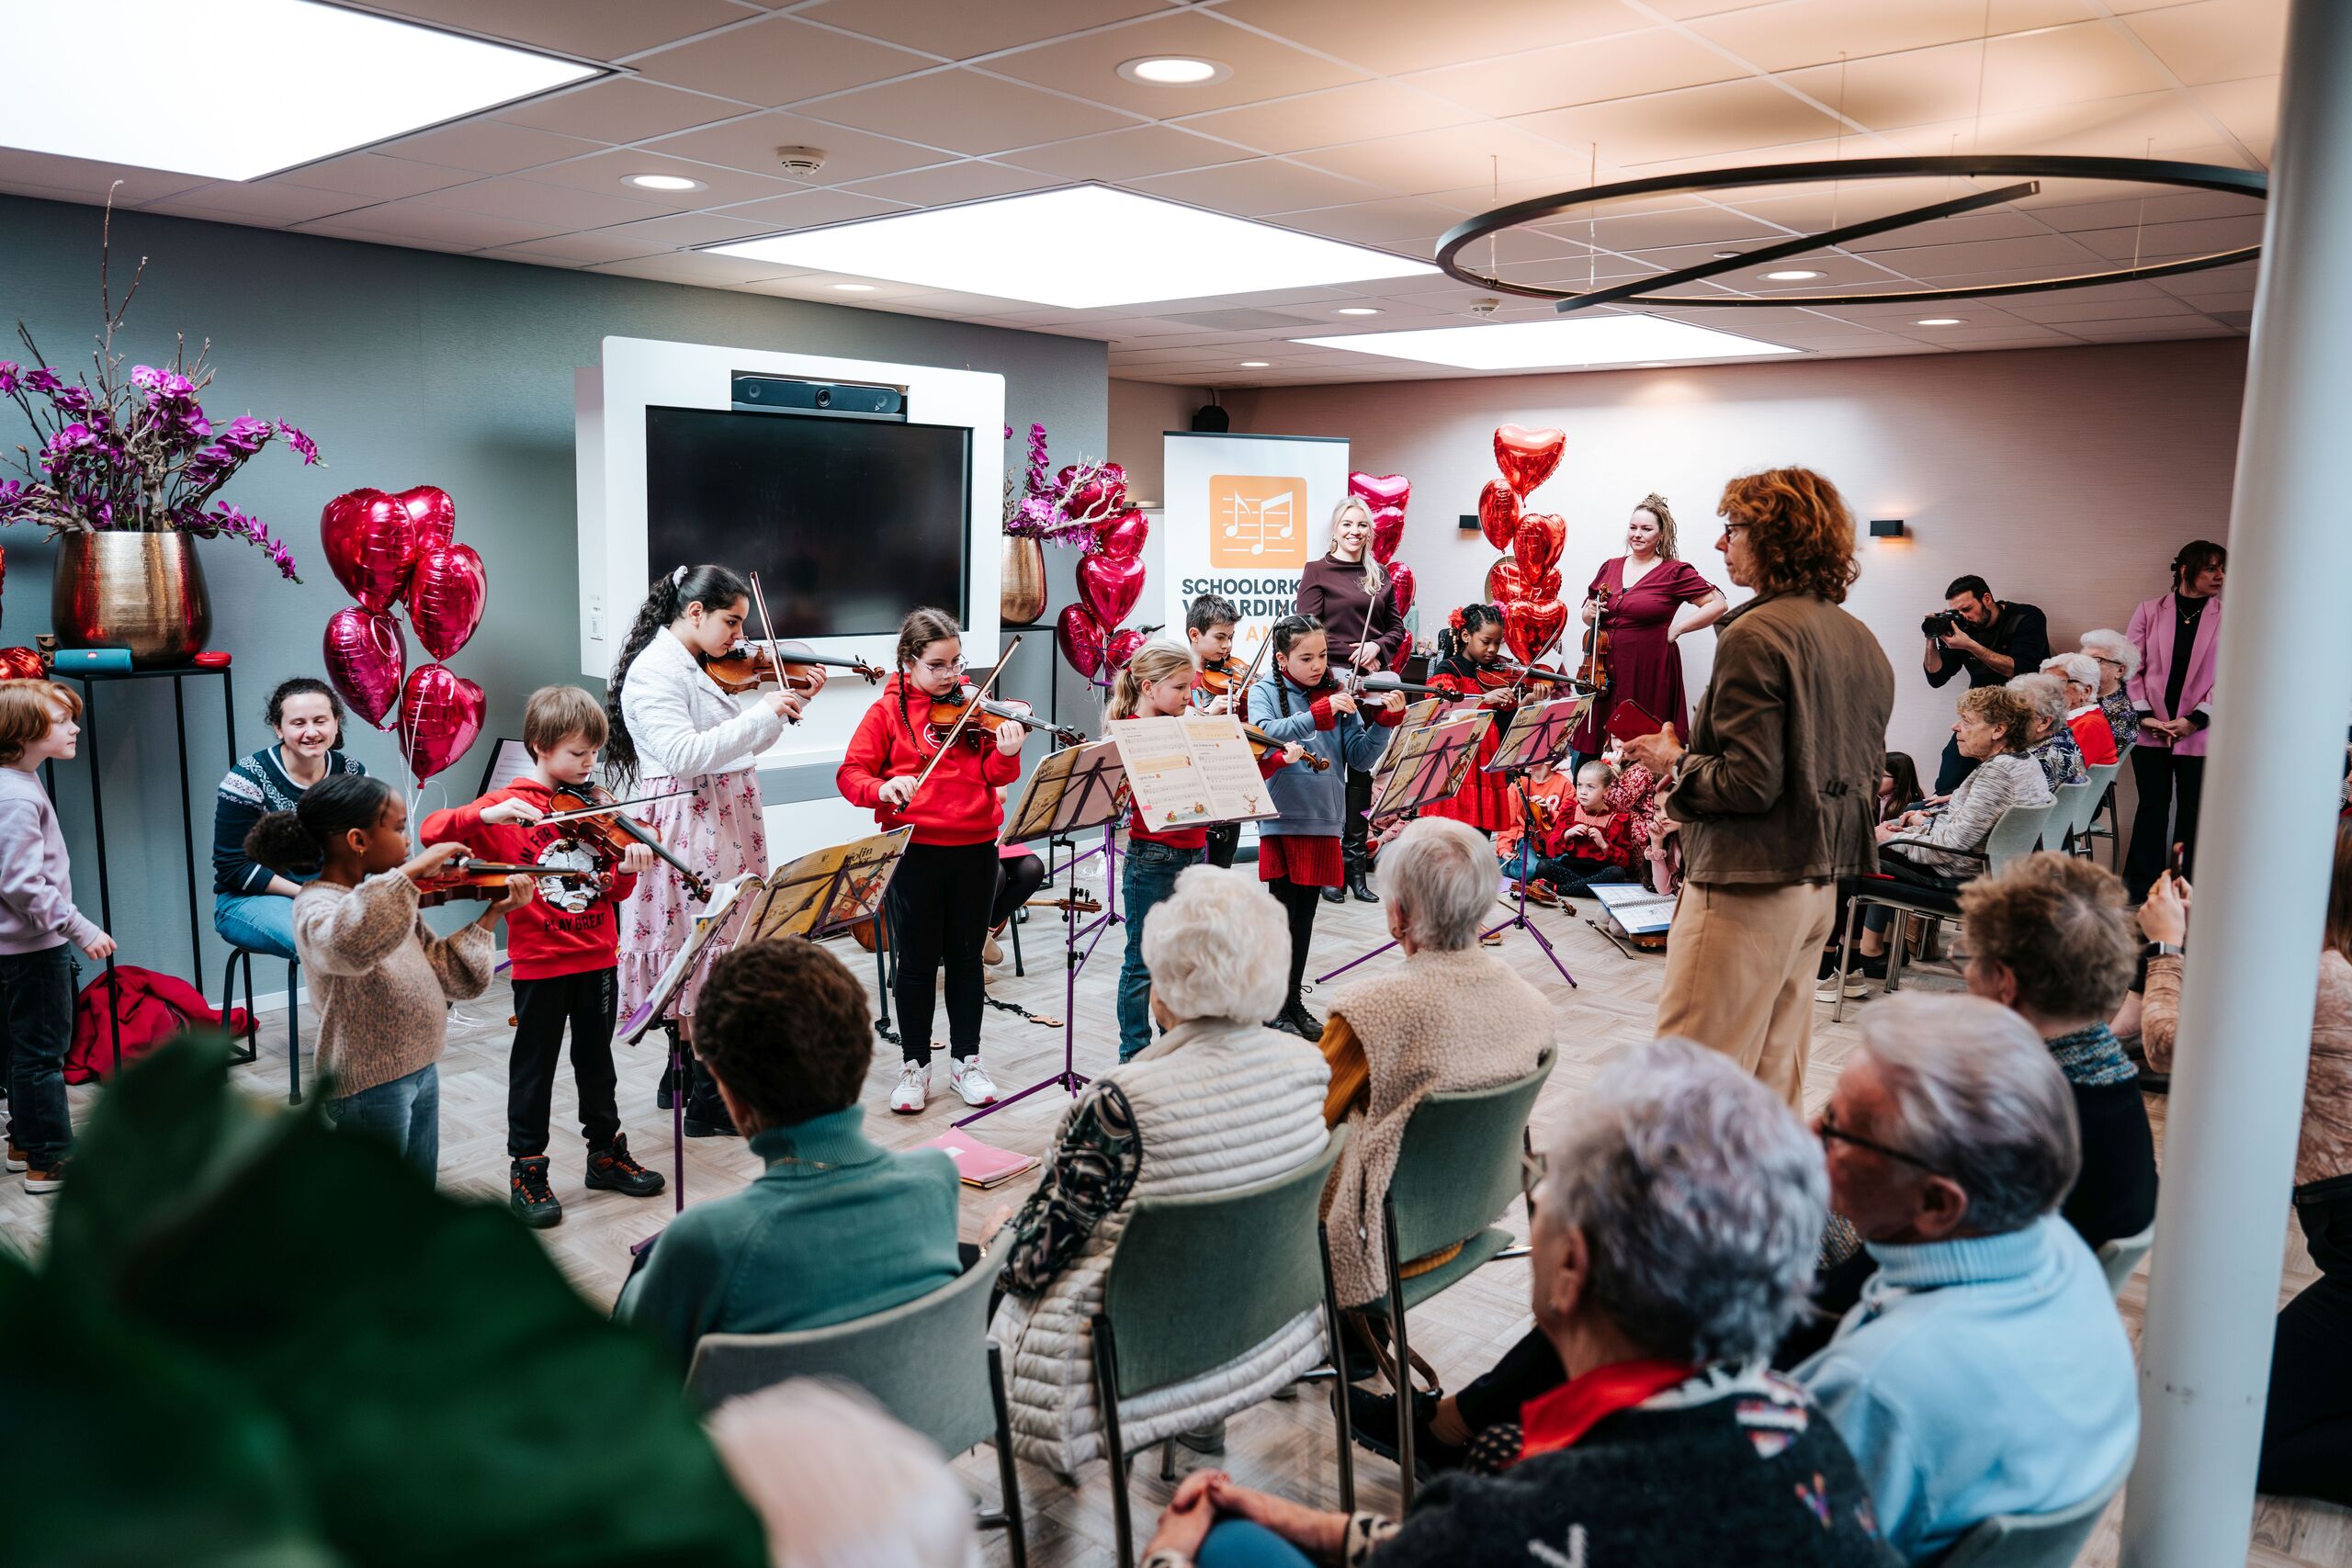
pixel 1360 886
pixel 707 1114
pixel 528 1195
pixel 1296 1018
pixel 1335 895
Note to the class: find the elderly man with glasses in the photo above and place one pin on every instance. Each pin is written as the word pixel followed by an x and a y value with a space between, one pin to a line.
pixel 1985 1369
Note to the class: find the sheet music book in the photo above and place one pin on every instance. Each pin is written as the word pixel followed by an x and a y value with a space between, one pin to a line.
pixel 978 1164
pixel 1430 764
pixel 1191 772
pixel 1539 733
pixel 1073 789
pixel 725 901
pixel 828 889
pixel 1637 910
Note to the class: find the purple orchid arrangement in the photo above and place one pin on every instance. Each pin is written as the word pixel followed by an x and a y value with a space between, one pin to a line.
pixel 1060 508
pixel 137 452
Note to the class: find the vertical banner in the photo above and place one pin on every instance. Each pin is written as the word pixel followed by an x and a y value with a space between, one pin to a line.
pixel 1244 514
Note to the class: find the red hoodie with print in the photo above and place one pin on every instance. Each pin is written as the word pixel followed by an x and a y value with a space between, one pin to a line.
pixel 565 929
pixel 957 805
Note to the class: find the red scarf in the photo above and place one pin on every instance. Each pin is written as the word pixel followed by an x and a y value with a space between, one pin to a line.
pixel 1560 1418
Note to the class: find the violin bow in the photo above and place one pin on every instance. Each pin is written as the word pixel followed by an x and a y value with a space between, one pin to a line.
pixel 1249 676
pixel 948 741
pixel 774 658
pixel 609 806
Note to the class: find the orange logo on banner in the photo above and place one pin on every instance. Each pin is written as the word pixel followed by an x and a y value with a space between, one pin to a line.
pixel 1257 520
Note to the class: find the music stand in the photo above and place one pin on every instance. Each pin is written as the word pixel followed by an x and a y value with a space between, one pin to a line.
pixel 1538 736
pixel 729 905
pixel 1074 789
pixel 1423 768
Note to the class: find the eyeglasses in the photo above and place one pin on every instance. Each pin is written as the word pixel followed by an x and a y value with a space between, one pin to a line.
pixel 1830 1131
pixel 2110 663
pixel 952 667
pixel 1731 528
pixel 1531 1173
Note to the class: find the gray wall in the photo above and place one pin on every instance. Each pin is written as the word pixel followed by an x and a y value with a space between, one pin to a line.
pixel 407 367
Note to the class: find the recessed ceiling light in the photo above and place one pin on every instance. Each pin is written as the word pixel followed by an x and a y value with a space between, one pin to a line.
pixel 1174 70
pixel 1256 365
pixel 1555 344
pixel 663 182
pixel 1727 256
pixel 1167 251
pixel 854 287
pixel 278 77
pixel 1939 322
pixel 1355 310
pixel 1798 276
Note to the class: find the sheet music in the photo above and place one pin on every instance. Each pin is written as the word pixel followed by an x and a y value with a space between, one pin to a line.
pixel 1191 771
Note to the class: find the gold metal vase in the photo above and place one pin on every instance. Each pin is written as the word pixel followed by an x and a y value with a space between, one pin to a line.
pixel 140 592
pixel 1022 593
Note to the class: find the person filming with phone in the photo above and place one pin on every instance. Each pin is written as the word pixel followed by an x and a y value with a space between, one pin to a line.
pixel 1990 639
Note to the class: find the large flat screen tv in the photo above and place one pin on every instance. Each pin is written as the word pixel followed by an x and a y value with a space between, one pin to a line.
pixel 849 522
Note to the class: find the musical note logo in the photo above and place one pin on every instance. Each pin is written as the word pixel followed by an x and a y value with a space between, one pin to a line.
pixel 1257 520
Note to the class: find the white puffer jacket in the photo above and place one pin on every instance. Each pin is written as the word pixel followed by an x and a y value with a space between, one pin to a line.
pixel 685 726
pixel 1219 1104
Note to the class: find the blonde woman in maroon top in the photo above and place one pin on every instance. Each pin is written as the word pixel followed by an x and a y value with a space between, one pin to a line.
pixel 1349 594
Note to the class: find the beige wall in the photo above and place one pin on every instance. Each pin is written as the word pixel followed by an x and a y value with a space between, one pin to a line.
pixel 2066 476
pixel 1141 412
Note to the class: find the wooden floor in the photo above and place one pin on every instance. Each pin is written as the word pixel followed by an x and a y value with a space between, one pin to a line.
pixel 1284 1447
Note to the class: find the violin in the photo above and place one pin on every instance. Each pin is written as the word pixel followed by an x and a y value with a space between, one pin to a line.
pixel 747 667
pixel 1223 677
pixel 612 835
pixel 1260 743
pixel 1543 825
pixel 1594 671
pixel 486 880
pixel 988 714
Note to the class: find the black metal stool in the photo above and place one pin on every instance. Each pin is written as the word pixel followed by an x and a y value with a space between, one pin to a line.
pixel 253 1025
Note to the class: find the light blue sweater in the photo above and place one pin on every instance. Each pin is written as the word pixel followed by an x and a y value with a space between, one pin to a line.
pixel 1981 1377
pixel 1312 804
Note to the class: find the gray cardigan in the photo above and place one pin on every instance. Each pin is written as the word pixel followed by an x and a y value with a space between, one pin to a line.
pixel 1966 822
pixel 1312 805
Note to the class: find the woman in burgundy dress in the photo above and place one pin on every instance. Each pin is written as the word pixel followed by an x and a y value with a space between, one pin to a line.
pixel 1653 597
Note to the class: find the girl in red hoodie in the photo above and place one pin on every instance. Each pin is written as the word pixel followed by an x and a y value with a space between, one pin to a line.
pixel 937 909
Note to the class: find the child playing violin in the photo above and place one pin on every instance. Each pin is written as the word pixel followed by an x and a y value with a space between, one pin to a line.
pixel 1592 842
pixel 1469 652
pixel 565 949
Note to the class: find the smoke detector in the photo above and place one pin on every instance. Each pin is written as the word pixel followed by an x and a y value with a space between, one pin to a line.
pixel 800 160
pixel 1485 307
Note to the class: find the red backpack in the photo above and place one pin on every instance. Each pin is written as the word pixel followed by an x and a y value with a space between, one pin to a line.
pixel 151 1008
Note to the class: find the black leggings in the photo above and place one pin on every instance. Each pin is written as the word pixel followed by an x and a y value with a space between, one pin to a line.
pixel 1016 879
pixel 938 909
pixel 2307 1427
pixel 2163 779
pixel 1299 904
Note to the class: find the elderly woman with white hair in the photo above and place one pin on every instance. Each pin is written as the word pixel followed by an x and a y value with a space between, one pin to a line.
pixel 1675 1222
pixel 2078 672
pixel 1451 1017
pixel 1218 1102
pixel 2051 743
pixel 2117 658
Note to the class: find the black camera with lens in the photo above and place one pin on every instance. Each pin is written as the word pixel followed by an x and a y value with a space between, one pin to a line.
pixel 1940 624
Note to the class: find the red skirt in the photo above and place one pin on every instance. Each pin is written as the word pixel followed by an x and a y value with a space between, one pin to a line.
pixel 1308 860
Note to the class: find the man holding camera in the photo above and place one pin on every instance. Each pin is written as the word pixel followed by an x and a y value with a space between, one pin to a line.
pixel 1991 638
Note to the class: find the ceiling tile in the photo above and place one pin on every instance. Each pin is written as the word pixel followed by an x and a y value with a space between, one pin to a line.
pixel 1356 112
pixel 1254 188
pixel 488 147
pixel 1814 32
pixel 2249 109
pixel 1620 66
pixel 398 220
pixel 1395 36
pixel 2216 40
pixel 1134 153
pixel 2166 241
pixel 374 175
pixel 576 250
pixel 1459 157
pixel 1994 260
pixel 1650 230
pixel 269 203
pixel 1088 65
pixel 620 109
pixel 2056 65
pixel 79 179
pixel 778 60
pixel 592 29
pixel 1385 223
pixel 555 208
pixel 962 30
pixel 966 112
pixel 749 144
pixel 604 173
pixel 2096 305
pixel 2165 123
pixel 1692 123
pixel 2155 207
pixel 691 266
pixel 943 184
pixel 808 209
pixel 678 234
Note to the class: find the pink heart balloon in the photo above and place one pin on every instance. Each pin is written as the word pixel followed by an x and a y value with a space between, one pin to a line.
pixel 440 715
pixel 1401 589
pixel 1080 637
pixel 1387 533
pixel 1088 502
pixel 433 517
pixel 1124 534
pixel 366 656
pixel 1498 513
pixel 1109 586
pixel 1121 648
pixel 1537 544
pixel 1528 457
pixel 369 545
pixel 1380 490
pixel 447 596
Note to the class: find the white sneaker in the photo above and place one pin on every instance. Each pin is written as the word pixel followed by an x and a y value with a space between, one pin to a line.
pixel 972 1081
pixel 913 1089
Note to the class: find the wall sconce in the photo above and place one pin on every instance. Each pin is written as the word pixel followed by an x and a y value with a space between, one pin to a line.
pixel 1888 528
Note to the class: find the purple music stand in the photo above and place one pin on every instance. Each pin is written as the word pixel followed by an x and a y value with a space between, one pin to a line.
pixel 1538 735
pixel 1421 768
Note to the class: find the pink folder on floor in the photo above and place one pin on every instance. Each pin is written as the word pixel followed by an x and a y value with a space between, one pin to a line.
pixel 979 1164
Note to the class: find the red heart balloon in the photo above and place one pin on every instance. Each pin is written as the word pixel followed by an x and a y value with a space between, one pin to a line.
pixel 440 715
pixel 433 517
pixel 1124 534
pixel 1530 627
pixel 1400 586
pixel 1537 545
pixel 1109 586
pixel 1382 490
pixel 1387 533
pixel 1527 458
pixel 370 544
pixel 366 656
pixel 447 596
pixel 1503 584
pixel 1087 502
pixel 1080 637
pixel 1545 587
pixel 1121 647
pixel 1498 513
pixel 21 664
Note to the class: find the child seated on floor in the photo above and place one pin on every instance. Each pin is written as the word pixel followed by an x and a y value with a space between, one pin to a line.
pixel 1553 793
pixel 1590 842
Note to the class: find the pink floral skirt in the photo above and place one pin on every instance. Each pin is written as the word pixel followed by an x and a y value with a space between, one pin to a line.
pixel 719 830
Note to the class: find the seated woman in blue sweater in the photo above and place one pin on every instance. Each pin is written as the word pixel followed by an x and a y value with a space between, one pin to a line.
pixel 252 904
pixel 836 1227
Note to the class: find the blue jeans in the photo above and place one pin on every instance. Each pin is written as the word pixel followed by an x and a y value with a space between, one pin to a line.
pixel 405 1112
pixel 261 922
pixel 36 1026
pixel 1238 1543
pixel 1148 877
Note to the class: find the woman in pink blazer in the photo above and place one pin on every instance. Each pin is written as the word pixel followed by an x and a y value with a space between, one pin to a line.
pixel 2178 635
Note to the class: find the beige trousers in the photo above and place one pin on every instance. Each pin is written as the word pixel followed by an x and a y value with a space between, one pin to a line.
pixel 1739 975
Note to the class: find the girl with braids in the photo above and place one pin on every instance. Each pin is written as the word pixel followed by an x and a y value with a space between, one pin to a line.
pixel 1157 683
pixel 1652 598
pixel 1298 851
pixel 673 728
pixel 938 907
pixel 1471 641
pixel 381 980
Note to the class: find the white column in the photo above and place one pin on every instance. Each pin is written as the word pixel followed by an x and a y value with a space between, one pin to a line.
pixel 2264 843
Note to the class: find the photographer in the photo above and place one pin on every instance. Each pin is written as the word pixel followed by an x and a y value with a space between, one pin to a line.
pixel 1991 638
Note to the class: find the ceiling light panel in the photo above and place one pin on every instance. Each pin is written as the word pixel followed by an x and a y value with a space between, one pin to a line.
pixel 1554 345
pixel 283 81
pixel 1030 247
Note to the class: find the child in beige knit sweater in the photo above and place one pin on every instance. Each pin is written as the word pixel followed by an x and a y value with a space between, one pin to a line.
pixel 379 977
